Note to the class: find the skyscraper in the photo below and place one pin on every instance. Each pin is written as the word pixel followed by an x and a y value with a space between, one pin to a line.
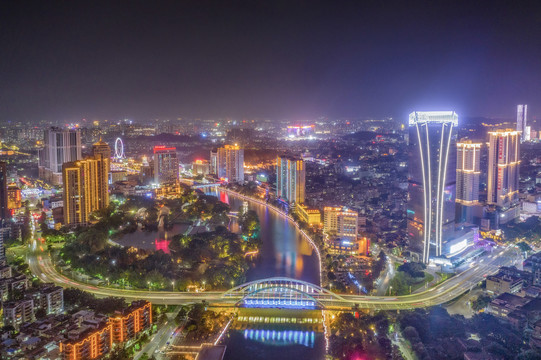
pixel 102 151
pixel 432 181
pixel 165 165
pixel 101 148
pixel 230 163
pixel 85 189
pixel 522 116
pixel 503 172
pixel 60 146
pixel 467 178
pixel 290 179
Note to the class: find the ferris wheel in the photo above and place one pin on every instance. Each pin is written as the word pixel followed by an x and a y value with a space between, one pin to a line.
pixel 119 149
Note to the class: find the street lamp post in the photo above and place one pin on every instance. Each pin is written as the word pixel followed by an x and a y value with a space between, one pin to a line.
pixel 390 290
pixel 204 285
pixel 148 282
pixel 173 285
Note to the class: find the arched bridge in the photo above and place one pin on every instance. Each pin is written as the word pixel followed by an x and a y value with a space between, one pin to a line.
pixel 281 292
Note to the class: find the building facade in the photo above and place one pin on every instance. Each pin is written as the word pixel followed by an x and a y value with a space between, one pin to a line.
pixel 503 173
pixel 60 146
pixel 85 189
pixel 431 181
pixel 4 208
pixel 18 312
pixel 136 318
pixel 468 171
pixel 290 179
pixel 90 344
pixel 309 216
pixel 165 165
pixel 229 163
pixel 341 222
pixel 14 197
pixel 522 123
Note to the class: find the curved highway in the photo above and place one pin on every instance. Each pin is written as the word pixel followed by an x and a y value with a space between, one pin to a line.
pixel 41 265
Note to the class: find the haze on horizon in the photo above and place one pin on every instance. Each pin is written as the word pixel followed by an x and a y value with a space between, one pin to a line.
pixel 245 59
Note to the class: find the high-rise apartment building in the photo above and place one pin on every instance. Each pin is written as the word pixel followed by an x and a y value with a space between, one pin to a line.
pixel 60 146
pixel 101 148
pixel 129 322
pixel 468 170
pixel 165 165
pixel 503 172
pixel 101 151
pixel 341 222
pixel 4 209
pixel 290 179
pixel 431 181
pixel 85 189
pixel 228 163
pixel 522 117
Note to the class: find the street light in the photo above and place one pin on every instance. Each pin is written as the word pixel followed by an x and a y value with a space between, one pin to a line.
pixel 173 284
pixel 107 281
pixel 204 285
pixel 390 290
pixel 148 282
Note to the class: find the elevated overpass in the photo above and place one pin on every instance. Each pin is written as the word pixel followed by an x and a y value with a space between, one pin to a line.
pixel 288 293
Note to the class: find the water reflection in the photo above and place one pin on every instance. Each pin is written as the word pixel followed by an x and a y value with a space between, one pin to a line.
pixel 283 251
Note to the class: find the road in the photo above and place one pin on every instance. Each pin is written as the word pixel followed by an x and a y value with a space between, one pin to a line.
pixel 41 265
pixel 159 339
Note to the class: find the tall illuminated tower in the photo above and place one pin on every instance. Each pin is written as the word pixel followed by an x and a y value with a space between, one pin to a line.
pixel 468 170
pixel 290 179
pixel 503 172
pixel 522 116
pixel 432 181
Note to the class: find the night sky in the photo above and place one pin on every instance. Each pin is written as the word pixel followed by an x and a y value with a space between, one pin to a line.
pixel 72 59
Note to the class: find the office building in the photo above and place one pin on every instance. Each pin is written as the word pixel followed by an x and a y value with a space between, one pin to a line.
pixel 4 209
pixel 129 322
pixel 60 146
pixel 228 163
pixel 85 189
pixel 522 116
pixel 468 171
pixel 165 165
pixel 503 173
pixel 290 179
pixel 431 181
pixel 340 222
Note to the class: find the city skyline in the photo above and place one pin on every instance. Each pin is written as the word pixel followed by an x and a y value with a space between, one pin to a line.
pixel 276 60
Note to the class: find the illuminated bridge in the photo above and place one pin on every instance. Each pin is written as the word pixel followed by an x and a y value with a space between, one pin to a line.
pixel 281 292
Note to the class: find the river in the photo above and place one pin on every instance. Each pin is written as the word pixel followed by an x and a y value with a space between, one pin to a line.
pixel 283 253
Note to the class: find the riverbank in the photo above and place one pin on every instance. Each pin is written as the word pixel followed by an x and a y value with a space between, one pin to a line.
pixel 280 212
